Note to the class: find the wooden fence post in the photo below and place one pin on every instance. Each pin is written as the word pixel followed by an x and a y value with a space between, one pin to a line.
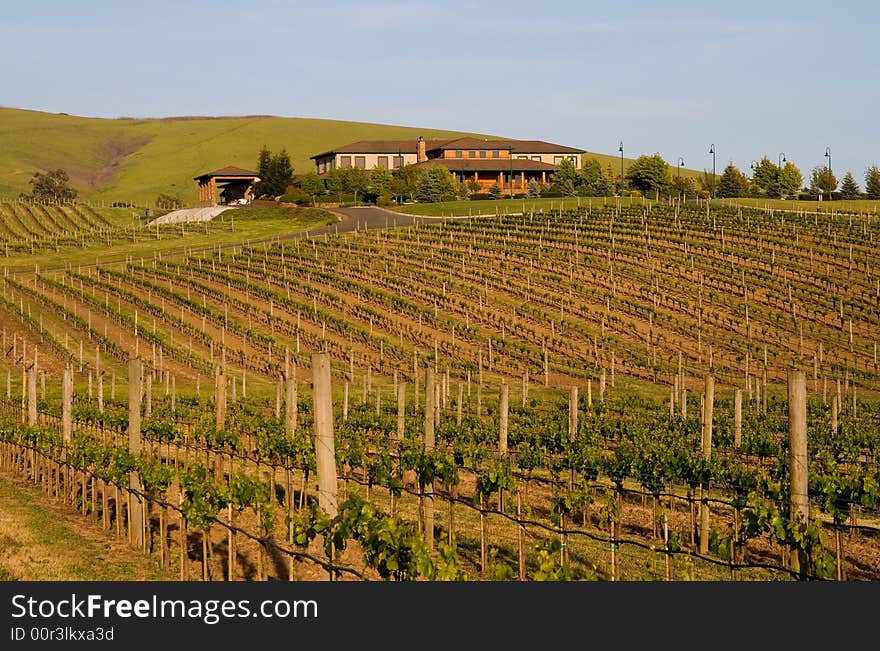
pixel 401 410
pixel 290 405
pixel 706 439
pixel 428 444
pixel 797 432
pixel 325 450
pixel 220 400
pixel 503 411
pixel 135 503
pixel 32 395
pixel 737 418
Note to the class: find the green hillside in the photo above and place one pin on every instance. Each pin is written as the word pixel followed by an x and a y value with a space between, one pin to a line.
pixel 137 159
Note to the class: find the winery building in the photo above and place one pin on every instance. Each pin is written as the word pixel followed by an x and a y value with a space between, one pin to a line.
pixel 482 161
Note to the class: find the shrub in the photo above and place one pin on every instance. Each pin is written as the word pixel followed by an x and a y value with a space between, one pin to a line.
pixel 297 196
pixel 385 199
pixel 168 202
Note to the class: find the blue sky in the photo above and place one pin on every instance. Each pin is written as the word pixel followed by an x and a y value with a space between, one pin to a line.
pixel 674 77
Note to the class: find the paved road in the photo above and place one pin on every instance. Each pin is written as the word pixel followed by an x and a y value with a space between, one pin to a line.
pixel 364 218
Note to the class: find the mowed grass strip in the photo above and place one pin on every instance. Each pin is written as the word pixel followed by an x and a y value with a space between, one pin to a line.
pixel 511 206
pixel 45 541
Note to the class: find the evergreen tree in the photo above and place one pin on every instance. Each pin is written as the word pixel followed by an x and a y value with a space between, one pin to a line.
pixel 275 172
pixel 849 189
pixel 427 190
pixel 495 191
pixel 732 183
pixel 872 182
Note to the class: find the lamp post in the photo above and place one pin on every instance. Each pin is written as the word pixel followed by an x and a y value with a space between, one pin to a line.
pixel 620 149
pixel 781 160
pixel 830 171
pixel 680 165
pixel 712 151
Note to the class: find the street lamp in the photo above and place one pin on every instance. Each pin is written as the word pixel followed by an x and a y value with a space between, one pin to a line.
pixel 712 151
pixel 680 165
pixel 781 160
pixel 830 171
pixel 620 149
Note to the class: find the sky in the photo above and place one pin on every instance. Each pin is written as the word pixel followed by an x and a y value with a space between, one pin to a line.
pixel 753 79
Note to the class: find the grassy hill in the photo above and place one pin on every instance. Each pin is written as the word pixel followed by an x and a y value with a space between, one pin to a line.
pixel 136 159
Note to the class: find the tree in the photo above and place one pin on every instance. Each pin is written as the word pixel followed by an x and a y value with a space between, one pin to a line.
pixel 380 180
pixel 357 180
pixel 565 188
pixel 823 180
pixel 565 171
pixel 337 181
pixel 406 180
pixel 765 176
pixel 275 172
pixel 263 162
pixel 437 184
pixel 790 180
pixel 591 172
pixel 51 186
pixel 427 190
pixel 733 182
pixel 849 189
pixel 312 185
pixel 872 182
pixel 495 191
pixel 649 174
pixel 682 186
pixel 534 189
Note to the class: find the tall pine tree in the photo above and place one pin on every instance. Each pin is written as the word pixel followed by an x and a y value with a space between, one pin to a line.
pixel 872 182
pixel 732 183
pixel 849 189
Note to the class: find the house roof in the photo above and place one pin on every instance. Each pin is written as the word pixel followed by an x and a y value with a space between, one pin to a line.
pixel 488 165
pixel 381 147
pixel 229 171
pixel 411 146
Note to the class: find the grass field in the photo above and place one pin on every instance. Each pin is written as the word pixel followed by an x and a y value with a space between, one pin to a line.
pixel 843 205
pixel 40 541
pixel 509 206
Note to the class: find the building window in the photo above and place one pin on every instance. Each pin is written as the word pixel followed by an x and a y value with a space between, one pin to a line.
pixel 537 158
pixel 523 157
pixel 360 162
pixel 398 162
pixel 345 161
pixel 458 153
pixel 472 154
pixel 495 153
pixel 557 159
pixel 382 161
pixel 573 159
pixel 482 153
